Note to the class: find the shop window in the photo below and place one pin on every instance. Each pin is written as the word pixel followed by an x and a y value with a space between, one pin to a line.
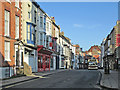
pixel 62 62
pixel 47 62
pixel 41 62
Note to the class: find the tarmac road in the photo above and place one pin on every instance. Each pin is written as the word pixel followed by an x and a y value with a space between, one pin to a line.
pixel 66 79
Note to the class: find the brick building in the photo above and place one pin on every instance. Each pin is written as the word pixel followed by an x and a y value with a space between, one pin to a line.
pixel 10 36
pixel 111 47
pixel 95 52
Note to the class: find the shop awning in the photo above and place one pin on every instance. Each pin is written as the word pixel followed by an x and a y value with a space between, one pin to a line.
pixel 43 50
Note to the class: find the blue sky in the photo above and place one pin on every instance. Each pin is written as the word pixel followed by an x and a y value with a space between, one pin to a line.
pixel 85 23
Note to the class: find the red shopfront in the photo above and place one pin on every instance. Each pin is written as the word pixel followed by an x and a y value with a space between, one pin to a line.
pixel 44 57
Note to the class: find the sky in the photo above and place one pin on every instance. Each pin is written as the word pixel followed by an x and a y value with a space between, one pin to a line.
pixel 85 23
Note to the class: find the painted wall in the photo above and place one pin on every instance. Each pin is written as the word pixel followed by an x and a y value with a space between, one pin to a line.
pixel 30 56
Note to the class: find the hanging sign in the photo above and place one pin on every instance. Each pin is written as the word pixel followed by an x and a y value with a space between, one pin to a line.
pixel 118 40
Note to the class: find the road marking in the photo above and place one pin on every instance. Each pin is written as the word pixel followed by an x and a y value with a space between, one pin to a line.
pixel 38 76
pixel 25 81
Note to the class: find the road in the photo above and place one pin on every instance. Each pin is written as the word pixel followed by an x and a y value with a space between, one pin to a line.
pixel 65 79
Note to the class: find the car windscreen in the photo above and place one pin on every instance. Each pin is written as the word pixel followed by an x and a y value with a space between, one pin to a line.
pixel 92 63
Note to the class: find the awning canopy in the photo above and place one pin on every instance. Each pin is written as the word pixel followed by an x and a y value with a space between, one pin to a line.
pixel 43 50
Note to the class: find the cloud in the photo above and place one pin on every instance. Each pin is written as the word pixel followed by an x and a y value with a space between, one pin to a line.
pixel 78 25
pixel 94 26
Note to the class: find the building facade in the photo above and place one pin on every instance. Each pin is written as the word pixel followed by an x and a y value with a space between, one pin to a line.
pixel 73 57
pixel 29 28
pixel 95 51
pixel 44 41
pixel 11 52
pixel 31 41
pixel 77 56
pixel 111 48
pixel 61 47
pixel 102 53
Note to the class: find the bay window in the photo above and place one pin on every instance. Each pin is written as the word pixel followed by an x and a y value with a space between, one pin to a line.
pixel 41 39
pixel 30 33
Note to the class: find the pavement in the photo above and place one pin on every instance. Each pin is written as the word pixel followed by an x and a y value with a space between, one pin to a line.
pixel 4 83
pixel 109 81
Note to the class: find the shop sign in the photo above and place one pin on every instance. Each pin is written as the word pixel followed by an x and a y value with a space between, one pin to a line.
pixel 50 44
pixel 118 40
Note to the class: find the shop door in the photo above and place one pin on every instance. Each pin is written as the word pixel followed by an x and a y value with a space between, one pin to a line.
pixel 44 63
pixel 31 62
pixel 57 62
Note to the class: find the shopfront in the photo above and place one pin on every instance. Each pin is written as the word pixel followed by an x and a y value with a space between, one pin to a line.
pixel 44 58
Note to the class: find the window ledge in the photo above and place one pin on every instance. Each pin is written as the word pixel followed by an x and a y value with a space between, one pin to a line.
pixel 17 7
pixel 7 36
pixel 17 39
pixel 7 60
pixel 8 1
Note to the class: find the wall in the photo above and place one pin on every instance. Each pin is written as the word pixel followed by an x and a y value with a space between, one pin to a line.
pixel 6 72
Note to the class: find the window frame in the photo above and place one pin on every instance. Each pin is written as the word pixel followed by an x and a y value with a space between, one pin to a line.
pixel 41 39
pixel 18 27
pixel 35 16
pixel 8 1
pixel 17 4
pixel 41 21
pixel 47 26
pixel 8 51
pixel 32 32
pixel 29 13
pixel 28 31
pixel 22 61
pixel 7 28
